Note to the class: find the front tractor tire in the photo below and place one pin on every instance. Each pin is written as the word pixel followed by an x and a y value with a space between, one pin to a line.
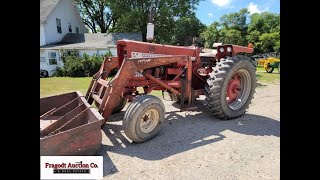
pixel 144 118
pixel 230 87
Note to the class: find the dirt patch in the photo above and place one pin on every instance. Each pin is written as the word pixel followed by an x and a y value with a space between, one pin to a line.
pixel 195 145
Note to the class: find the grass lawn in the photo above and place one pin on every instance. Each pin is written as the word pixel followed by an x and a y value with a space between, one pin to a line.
pixel 264 77
pixel 58 85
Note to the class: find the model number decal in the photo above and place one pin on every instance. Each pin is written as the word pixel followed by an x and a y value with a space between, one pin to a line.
pixel 144 55
pixel 144 60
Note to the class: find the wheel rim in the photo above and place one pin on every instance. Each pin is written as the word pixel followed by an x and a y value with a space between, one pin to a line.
pixel 238 89
pixel 269 69
pixel 43 74
pixel 149 120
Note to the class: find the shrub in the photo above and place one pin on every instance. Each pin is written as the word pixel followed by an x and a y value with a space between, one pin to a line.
pixel 74 67
pixel 77 66
pixel 59 72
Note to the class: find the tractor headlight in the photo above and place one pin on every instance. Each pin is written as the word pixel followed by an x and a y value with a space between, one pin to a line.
pixel 228 49
pixel 221 49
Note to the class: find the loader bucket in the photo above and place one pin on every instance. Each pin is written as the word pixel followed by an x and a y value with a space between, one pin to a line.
pixel 69 126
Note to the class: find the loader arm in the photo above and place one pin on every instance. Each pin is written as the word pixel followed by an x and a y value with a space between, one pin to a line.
pixel 114 88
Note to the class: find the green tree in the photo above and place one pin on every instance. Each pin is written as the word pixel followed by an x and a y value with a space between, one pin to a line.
pixel 265 22
pixel 253 36
pixel 232 29
pixel 236 28
pixel 186 29
pixel 269 42
pixel 97 15
pixel 231 36
pixel 277 46
pixel 236 20
pixel 264 30
pixel 133 16
pixel 210 35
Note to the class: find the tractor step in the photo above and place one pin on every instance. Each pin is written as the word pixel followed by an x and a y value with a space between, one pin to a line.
pixel 96 98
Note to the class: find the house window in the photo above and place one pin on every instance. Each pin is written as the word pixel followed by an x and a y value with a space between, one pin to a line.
pixel 69 27
pixel 77 30
pixel 52 58
pixel 58 21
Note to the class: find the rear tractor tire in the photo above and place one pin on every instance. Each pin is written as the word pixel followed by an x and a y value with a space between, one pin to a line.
pixel 144 118
pixel 122 103
pixel 230 87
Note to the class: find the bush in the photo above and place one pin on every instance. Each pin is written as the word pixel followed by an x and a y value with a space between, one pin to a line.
pixel 92 64
pixel 59 72
pixel 76 66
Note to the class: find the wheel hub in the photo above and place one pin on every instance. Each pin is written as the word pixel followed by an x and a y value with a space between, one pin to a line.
pixel 149 120
pixel 238 89
pixel 234 88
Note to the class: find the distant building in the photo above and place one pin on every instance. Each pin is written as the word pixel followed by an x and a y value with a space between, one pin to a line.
pixel 61 28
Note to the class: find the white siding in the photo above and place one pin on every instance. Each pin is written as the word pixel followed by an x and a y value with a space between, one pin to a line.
pixel 42 53
pixel 68 14
pixel 102 51
pixel 114 52
pixel 51 68
pixel 45 65
pixel 98 51
pixel 89 52
pixel 42 36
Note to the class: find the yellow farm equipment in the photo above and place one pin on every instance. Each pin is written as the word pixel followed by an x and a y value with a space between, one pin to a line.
pixel 270 61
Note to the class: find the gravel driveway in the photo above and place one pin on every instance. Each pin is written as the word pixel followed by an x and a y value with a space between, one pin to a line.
pixel 194 145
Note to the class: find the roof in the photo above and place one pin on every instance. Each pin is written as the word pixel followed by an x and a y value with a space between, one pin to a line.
pixel 92 40
pixel 46 7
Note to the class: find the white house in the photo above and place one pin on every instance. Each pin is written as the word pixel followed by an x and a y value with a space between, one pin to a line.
pixel 61 28
pixel 57 18
pixel 89 43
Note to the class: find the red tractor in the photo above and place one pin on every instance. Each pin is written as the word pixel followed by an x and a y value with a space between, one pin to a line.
pixel 70 126
pixel 228 81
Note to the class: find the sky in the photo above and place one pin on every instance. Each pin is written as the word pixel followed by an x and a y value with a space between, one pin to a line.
pixel 209 11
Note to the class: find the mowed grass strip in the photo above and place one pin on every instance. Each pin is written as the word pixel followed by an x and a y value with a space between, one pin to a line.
pixel 59 85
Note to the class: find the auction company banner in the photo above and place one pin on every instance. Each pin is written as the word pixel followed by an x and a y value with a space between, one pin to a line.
pixel 71 167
